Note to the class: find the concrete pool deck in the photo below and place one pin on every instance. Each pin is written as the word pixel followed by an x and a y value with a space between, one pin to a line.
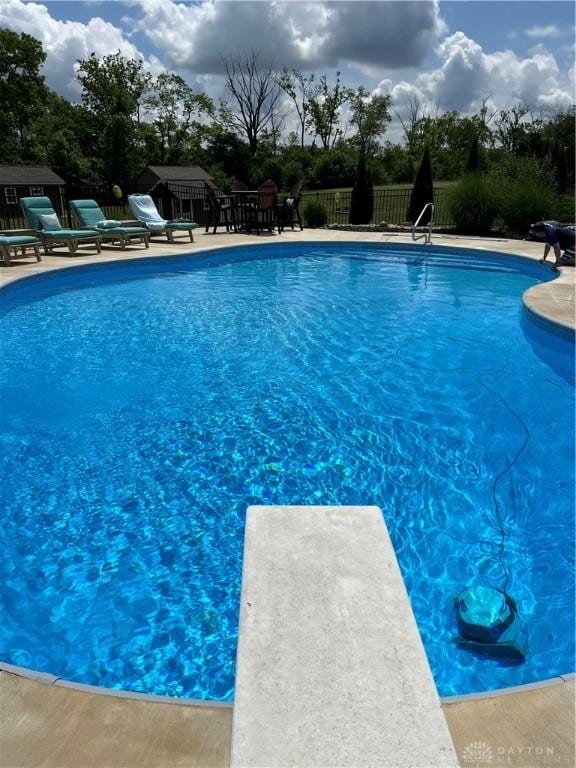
pixel 59 727
pixel 42 726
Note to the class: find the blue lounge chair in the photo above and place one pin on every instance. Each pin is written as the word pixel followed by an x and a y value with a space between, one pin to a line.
pixel 11 244
pixel 144 209
pixel 91 216
pixel 42 218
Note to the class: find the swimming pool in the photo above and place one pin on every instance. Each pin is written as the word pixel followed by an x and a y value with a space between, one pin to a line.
pixel 146 404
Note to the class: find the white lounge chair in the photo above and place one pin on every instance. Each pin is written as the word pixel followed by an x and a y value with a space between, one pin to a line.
pixel 144 209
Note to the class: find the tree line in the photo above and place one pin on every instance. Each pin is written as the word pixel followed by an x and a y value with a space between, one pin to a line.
pixel 127 119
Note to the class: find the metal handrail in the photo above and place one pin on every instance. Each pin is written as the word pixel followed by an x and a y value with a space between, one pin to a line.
pixel 427 235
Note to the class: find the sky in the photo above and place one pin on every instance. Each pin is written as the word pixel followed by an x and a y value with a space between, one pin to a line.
pixel 446 55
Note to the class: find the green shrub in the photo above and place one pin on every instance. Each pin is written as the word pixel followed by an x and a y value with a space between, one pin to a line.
pixel 566 209
pixel 314 214
pixel 525 201
pixel 474 203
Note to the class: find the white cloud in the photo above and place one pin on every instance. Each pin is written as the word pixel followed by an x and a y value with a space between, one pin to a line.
pixel 468 76
pixel 66 41
pixel 198 36
pixel 549 31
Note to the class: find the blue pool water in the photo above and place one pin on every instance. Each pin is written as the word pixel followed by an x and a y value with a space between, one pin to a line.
pixel 144 406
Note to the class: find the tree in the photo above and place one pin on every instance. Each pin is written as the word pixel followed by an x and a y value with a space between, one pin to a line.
pixel 23 93
pixel 332 168
pixel 121 156
pixel 228 153
pixel 423 191
pixel 113 85
pixel 447 135
pixel 113 91
pixel 301 89
pixel 60 139
pixel 560 134
pixel 411 123
pixel 397 162
pixel 324 111
pixel 370 115
pixel 177 112
pixel 511 128
pixel 362 200
pixel 255 91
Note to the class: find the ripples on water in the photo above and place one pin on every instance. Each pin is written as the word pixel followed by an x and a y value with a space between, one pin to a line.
pixel 141 417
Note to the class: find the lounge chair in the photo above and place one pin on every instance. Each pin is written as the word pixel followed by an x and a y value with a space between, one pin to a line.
pixel 91 216
pixel 42 218
pixel 143 207
pixel 11 244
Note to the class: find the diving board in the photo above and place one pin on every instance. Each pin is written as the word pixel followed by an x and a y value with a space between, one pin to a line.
pixel 331 670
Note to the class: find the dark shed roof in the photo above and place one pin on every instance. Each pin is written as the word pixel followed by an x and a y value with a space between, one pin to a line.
pixel 178 173
pixel 13 175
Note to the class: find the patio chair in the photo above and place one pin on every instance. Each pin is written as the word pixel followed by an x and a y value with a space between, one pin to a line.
pixel 91 216
pixel 11 244
pixel 264 214
pixel 290 208
pixel 42 218
pixel 219 211
pixel 144 209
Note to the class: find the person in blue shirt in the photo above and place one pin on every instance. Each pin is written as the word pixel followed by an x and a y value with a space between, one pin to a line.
pixel 559 238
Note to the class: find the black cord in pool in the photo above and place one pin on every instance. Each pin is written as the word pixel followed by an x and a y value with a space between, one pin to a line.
pixel 498 521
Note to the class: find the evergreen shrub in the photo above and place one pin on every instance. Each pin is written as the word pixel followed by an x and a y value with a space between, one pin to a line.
pixel 422 192
pixel 362 200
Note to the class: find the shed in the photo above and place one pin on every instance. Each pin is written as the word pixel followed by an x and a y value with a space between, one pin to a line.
pixel 18 181
pixel 178 190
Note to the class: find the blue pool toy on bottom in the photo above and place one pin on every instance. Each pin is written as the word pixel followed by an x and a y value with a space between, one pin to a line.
pixel 489 624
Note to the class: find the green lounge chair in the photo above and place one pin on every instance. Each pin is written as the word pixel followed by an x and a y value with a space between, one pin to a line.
pixel 42 217
pixel 145 210
pixel 91 216
pixel 11 244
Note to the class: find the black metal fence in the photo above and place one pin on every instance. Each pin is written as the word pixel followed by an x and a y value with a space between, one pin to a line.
pixel 390 206
pixel 182 201
pixel 174 201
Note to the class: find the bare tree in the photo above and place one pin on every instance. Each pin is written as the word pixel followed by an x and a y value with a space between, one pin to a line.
pixel 300 88
pixel 411 120
pixel 256 92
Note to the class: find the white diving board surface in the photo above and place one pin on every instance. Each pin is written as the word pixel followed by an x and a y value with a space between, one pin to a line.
pixel 331 670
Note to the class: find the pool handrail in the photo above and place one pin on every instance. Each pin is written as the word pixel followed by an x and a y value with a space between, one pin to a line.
pixel 427 235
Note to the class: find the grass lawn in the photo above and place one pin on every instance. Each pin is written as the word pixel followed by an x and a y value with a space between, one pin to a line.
pixel 437 185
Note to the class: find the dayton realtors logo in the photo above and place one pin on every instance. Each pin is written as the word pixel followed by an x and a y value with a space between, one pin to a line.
pixel 478 754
